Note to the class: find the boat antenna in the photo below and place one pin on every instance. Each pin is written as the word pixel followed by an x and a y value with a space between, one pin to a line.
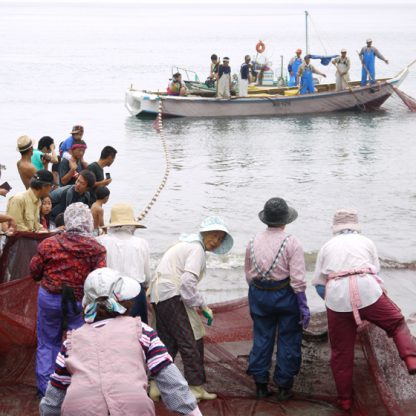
pixel 306 32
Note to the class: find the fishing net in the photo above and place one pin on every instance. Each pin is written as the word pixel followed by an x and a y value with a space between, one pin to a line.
pixel 227 346
pixel 407 100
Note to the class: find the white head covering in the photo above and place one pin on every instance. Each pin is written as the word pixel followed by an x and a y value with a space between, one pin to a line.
pixel 107 287
pixel 78 219
pixel 212 223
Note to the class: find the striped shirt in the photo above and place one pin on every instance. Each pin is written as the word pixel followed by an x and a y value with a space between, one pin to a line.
pixel 155 354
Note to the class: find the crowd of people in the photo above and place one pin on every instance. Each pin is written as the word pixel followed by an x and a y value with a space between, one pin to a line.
pixel 300 73
pixel 54 180
pixel 95 349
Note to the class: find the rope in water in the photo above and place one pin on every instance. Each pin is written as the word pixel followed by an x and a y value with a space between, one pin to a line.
pixel 158 125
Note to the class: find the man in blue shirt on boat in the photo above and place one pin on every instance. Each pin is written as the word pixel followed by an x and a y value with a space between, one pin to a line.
pixel 224 79
pixel 305 72
pixel 293 67
pixel 244 79
pixel 368 56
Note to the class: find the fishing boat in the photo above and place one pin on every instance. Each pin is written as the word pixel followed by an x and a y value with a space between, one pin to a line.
pixel 270 102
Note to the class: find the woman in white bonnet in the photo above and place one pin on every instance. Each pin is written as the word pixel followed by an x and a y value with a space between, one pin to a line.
pixel 102 366
pixel 175 297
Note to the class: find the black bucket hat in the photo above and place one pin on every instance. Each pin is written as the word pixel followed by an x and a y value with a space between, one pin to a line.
pixel 277 212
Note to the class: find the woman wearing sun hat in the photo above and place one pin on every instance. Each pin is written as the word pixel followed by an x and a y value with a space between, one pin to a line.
pixel 174 294
pixel 346 276
pixel 275 272
pixel 128 253
pixel 102 366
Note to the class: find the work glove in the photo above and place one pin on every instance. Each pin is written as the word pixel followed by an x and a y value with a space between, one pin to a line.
pixel 305 314
pixel 320 289
pixel 207 312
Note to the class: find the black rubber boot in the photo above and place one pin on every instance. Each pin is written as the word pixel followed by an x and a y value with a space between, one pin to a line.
pixel 284 394
pixel 262 391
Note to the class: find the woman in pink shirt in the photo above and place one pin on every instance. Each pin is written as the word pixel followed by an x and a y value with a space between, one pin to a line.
pixel 102 367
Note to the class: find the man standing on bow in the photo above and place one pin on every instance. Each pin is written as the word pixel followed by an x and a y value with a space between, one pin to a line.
pixel 224 79
pixel 346 276
pixel 305 77
pixel 368 57
pixel 275 271
pixel 342 64
pixel 293 67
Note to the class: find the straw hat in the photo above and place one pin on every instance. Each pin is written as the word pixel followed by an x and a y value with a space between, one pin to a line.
pixel 24 143
pixel 123 214
pixel 345 219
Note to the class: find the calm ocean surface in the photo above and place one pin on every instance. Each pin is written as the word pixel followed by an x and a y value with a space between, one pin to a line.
pixel 64 63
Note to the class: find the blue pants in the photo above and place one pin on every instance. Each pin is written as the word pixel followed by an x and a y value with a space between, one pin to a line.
pixel 306 83
pixel 369 62
pixel 140 306
pixel 49 332
pixel 273 311
pixel 364 75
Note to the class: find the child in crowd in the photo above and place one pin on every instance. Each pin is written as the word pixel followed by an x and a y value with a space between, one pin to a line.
pixel 60 222
pixel 120 347
pixel 45 210
pixel 103 194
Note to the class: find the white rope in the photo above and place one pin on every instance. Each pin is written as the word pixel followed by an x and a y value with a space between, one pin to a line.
pixel 159 127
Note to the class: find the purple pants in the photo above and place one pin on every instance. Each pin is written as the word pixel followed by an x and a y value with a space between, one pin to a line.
pixel 49 332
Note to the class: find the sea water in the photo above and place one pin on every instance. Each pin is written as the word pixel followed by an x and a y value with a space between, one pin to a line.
pixel 67 63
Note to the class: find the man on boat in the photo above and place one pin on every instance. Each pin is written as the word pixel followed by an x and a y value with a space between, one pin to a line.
pixel 224 79
pixel 213 69
pixel 293 67
pixel 346 276
pixel 275 271
pixel 368 57
pixel 305 77
pixel 244 79
pixel 176 86
pixel 342 64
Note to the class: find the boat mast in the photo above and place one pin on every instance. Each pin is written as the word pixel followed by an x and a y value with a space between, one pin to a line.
pixel 306 30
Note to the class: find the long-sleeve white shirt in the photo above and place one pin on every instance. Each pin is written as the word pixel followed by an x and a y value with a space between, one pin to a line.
pixel 127 254
pixel 342 253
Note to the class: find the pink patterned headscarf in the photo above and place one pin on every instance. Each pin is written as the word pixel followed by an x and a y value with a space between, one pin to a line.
pixel 78 219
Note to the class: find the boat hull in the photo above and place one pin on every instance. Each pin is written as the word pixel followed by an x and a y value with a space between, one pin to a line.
pixel 364 98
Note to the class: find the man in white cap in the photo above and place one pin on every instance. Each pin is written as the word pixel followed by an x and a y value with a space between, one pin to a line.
pixel 244 78
pixel 368 57
pixel 25 167
pixel 346 276
pixel 224 79
pixel 342 64
pixel 128 253
pixel 102 366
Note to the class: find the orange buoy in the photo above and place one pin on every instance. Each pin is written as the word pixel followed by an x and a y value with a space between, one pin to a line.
pixel 260 47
